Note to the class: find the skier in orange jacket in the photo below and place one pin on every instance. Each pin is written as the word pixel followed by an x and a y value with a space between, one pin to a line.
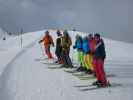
pixel 48 41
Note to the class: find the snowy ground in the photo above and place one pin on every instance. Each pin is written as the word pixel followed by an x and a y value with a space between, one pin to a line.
pixel 24 78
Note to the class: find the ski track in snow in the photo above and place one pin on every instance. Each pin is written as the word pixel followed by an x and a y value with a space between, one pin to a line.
pixel 27 79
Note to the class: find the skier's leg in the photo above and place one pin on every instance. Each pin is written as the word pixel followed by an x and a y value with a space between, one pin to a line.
pixel 61 61
pixel 46 50
pixel 97 70
pixel 68 59
pixel 80 57
pixel 57 55
pixel 63 54
pixel 49 53
pixel 86 62
pixel 80 68
pixel 60 56
pixel 91 63
pixel 102 72
pixel 83 62
pixel 94 65
pixel 69 62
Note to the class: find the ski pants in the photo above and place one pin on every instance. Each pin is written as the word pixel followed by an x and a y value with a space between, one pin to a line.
pixel 81 58
pixel 88 61
pixel 47 51
pixel 66 58
pixel 58 53
pixel 99 70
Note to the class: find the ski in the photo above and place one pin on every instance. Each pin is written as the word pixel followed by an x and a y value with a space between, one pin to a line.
pixel 87 77
pixel 54 67
pixel 79 74
pixel 72 70
pixel 45 59
pixel 40 59
pixel 91 88
pixel 50 63
pixel 94 87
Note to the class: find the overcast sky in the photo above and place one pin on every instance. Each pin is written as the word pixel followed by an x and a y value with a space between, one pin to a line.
pixel 112 17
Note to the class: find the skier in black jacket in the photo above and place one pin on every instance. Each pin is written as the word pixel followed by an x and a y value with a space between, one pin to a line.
pixel 99 57
pixel 59 48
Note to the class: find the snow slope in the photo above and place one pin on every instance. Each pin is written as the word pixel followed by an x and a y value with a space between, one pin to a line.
pixel 12 46
pixel 24 78
pixel 3 33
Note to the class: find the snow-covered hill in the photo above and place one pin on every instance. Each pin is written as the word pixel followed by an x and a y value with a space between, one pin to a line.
pixel 24 78
pixel 3 34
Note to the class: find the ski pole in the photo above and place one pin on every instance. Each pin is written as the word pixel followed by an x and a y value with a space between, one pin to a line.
pixel 72 55
pixel 42 50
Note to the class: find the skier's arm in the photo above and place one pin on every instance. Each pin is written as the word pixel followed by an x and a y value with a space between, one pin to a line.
pixel 51 39
pixel 98 45
pixel 40 41
pixel 74 47
pixel 69 42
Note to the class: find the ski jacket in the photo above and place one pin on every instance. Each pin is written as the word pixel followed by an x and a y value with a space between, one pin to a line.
pixel 100 50
pixel 92 44
pixel 58 42
pixel 66 42
pixel 47 39
pixel 86 47
pixel 58 45
pixel 78 44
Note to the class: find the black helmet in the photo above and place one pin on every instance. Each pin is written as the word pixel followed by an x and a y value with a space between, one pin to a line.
pixel 47 32
pixel 90 35
pixel 58 33
pixel 97 35
pixel 65 32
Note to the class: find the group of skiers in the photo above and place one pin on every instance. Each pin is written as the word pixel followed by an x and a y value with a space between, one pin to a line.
pixel 90 50
pixel 63 44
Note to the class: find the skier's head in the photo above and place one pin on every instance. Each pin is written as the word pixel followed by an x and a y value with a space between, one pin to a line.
pixel 47 33
pixel 58 33
pixel 80 38
pixel 77 36
pixel 90 36
pixel 97 37
pixel 65 33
